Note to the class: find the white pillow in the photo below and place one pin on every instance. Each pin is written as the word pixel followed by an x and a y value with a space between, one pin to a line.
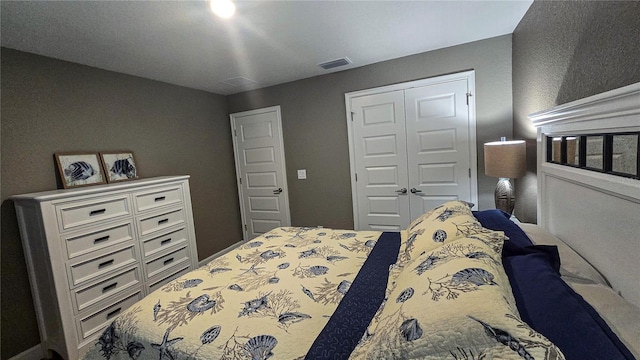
pixel 572 265
pixel 621 316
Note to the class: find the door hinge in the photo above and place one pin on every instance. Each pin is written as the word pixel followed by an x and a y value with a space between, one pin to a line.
pixel 245 227
pixel 468 96
pixel 240 181
pixel 469 172
pixel 235 132
pixel 352 115
pixel 356 176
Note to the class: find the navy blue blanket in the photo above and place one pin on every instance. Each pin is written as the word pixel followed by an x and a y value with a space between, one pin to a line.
pixel 354 313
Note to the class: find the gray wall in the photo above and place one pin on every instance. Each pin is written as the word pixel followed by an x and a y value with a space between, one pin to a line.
pixel 564 51
pixel 315 128
pixel 50 105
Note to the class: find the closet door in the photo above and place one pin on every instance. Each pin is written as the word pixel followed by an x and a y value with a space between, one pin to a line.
pixel 438 145
pixel 412 147
pixel 379 145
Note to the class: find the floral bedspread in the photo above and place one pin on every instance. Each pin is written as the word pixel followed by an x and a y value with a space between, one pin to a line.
pixel 269 298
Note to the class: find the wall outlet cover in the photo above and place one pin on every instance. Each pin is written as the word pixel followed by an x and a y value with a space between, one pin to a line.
pixel 302 174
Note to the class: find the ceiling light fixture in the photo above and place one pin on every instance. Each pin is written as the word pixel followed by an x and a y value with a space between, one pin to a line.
pixel 223 8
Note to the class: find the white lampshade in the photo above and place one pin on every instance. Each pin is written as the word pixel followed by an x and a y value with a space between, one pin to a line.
pixel 505 159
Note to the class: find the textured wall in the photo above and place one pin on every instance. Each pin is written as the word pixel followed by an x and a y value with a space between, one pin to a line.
pixel 315 128
pixel 50 105
pixel 564 51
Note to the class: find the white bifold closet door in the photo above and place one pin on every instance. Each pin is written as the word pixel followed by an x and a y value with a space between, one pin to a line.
pixel 412 149
pixel 381 161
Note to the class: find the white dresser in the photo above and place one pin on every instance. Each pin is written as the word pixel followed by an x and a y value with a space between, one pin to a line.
pixel 94 251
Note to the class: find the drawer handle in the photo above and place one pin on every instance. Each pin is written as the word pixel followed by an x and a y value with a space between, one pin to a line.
pixel 101 239
pixel 163 221
pixel 106 263
pixel 166 241
pixel 109 287
pixel 168 261
pixel 160 198
pixel 113 313
pixel 97 212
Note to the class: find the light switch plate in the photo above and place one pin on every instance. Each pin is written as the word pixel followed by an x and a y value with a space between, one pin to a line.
pixel 302 174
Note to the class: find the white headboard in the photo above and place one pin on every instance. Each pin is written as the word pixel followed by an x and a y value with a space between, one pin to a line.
pixel 597 214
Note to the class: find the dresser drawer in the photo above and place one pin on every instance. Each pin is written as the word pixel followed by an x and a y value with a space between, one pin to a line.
pixel 165 241
pixel 104 289
pixel 165 262
pixel 160 197
pixel 77 245
pixel 96 267
pixel 97 321
pixel 78 214
pixel 163 278
pixel 166 220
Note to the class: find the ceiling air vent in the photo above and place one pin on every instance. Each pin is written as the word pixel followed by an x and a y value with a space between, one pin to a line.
pixel 335 63
pixel 240 82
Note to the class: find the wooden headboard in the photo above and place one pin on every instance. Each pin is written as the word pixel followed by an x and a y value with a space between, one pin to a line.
pixel 596 213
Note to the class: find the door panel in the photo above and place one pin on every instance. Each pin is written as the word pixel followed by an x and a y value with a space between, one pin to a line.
pixel 438 144
pixel 261 170
pixel 418 137
pixel 379 146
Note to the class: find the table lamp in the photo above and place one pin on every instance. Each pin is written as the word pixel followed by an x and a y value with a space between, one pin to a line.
pixel 505 160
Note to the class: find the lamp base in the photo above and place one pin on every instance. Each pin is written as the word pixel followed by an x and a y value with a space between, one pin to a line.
pixel 505 197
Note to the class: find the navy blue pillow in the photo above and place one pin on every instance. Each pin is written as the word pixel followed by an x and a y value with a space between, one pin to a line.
pixel 499 220
pixel 553 309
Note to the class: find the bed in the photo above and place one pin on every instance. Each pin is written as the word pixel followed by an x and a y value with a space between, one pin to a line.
pixel 457 283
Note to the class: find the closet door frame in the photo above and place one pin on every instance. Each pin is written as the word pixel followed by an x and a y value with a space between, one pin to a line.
pixel 469 76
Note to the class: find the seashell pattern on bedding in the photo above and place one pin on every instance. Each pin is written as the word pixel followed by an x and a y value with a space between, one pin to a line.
pixel 453 302
pixel 263 300
pixel 447 222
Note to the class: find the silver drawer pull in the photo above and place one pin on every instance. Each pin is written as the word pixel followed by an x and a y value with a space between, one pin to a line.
pixel 101 239
pixel 168 261
pixel 113 313
pixel 97 212
pixel 166 241
pixel 159 198
pixel 106 263
pixel 163 221
pixel 109 287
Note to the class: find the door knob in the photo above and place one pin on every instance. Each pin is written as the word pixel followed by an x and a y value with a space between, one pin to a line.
pixel 416 191
pixel 277 192
pixel 402 191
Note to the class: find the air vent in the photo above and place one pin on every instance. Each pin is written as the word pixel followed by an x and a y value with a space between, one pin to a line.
pixel 240 82
pixel 335 63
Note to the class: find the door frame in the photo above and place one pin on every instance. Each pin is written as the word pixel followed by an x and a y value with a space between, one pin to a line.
pixel 285 193
pixel 469 76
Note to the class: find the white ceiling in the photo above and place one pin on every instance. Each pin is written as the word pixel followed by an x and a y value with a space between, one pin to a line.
pixel 269 42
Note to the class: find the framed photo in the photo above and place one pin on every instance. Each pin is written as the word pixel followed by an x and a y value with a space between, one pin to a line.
pixel 79 169
pixel 119 166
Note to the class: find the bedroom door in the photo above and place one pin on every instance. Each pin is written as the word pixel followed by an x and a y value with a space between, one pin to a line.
pixel 260 170
pixel 412 147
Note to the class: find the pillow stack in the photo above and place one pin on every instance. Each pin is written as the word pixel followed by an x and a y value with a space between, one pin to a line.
pixel 449 297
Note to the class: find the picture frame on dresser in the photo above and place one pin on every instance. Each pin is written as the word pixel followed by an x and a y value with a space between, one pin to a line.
pixel 79 169
pixel 119 166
